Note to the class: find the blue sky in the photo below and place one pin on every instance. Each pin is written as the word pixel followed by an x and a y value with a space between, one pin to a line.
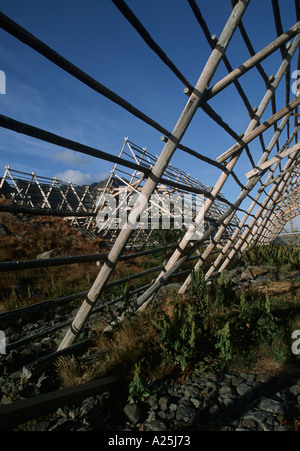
pixel 95 36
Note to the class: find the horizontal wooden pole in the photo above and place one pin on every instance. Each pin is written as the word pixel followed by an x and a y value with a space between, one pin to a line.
pixel 280 156
pixel 253 61
pixel 47 262
pixel 45 211
pixel 29 39
pixel 38 133
pixel 60 261
pixel 16 413
pixel 259 130
pixel 52 138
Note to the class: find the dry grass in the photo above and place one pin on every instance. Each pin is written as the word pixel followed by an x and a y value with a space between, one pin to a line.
pixel 29 236
pixel 112 353
pixel 68 371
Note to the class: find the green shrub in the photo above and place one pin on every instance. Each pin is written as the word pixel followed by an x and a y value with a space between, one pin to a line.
pixel 274 255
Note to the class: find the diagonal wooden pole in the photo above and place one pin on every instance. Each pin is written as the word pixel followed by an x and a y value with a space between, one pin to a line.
pixel 270 223
pixel 232 239
pixel 251 184
pixel 252 233
pixel 251 133
pixel 180 128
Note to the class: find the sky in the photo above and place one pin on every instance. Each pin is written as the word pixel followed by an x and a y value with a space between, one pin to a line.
pixel 96 37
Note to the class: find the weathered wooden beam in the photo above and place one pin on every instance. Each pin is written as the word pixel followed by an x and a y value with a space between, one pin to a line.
pixel 16 413
pixel 278 157
pixel 170 147
pixel 252 62
pixel 259 130
pixel 231 241
pixel 29 39
pixel 222 179
pixel 17 209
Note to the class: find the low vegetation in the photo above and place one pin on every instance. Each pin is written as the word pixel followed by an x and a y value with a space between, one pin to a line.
pixel 212 327
pixel 208 329
pixel 24 238
pixel 285 257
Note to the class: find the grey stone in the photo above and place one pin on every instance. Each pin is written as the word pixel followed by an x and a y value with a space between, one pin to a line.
pixel 236 380
pixel 249 424
pixel 162 414
pixel 163 403
pixel 226 391
pixel 295 390
pixel 152 400
pixel 228 402
pixel 214 409
pixel 256 415
pixel 43 426
pixel 133 412
pixel 196 403
pixel 151 417
pixel 5 400
pixel 173 407
pixel 185 413
pixel 155 425
pixel 244 389
pixel 271 405
pixel 191 391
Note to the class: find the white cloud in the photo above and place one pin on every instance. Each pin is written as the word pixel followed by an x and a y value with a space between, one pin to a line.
pixel 79 177
pixel 76 177
pixel 71 158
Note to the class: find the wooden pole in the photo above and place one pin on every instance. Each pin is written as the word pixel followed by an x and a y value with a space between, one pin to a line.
pixel 250 134
pixel 188 113
pixel 251 184
pixel 252 62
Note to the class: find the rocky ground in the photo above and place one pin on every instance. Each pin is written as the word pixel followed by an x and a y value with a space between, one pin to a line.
pixel 235 402
pixel 238 401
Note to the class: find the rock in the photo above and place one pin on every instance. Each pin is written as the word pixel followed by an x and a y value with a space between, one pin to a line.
pixel 26 375
pixel 226 392
pixel 237 380
pixel 270 405
pixel 185 413
pixel 295 390
pixel 155 425
pixel 47 254
pixel 152 400
pixel 173 407
pixel 213 410
pixel 196 403
pixel 191 391
pixel 244 389
pixel 228 402
pixel 163 403
pixel 249 424
pixel 5 400
pixel 253 271
pixel 133 412
pixel 256 415
pixel 43 426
